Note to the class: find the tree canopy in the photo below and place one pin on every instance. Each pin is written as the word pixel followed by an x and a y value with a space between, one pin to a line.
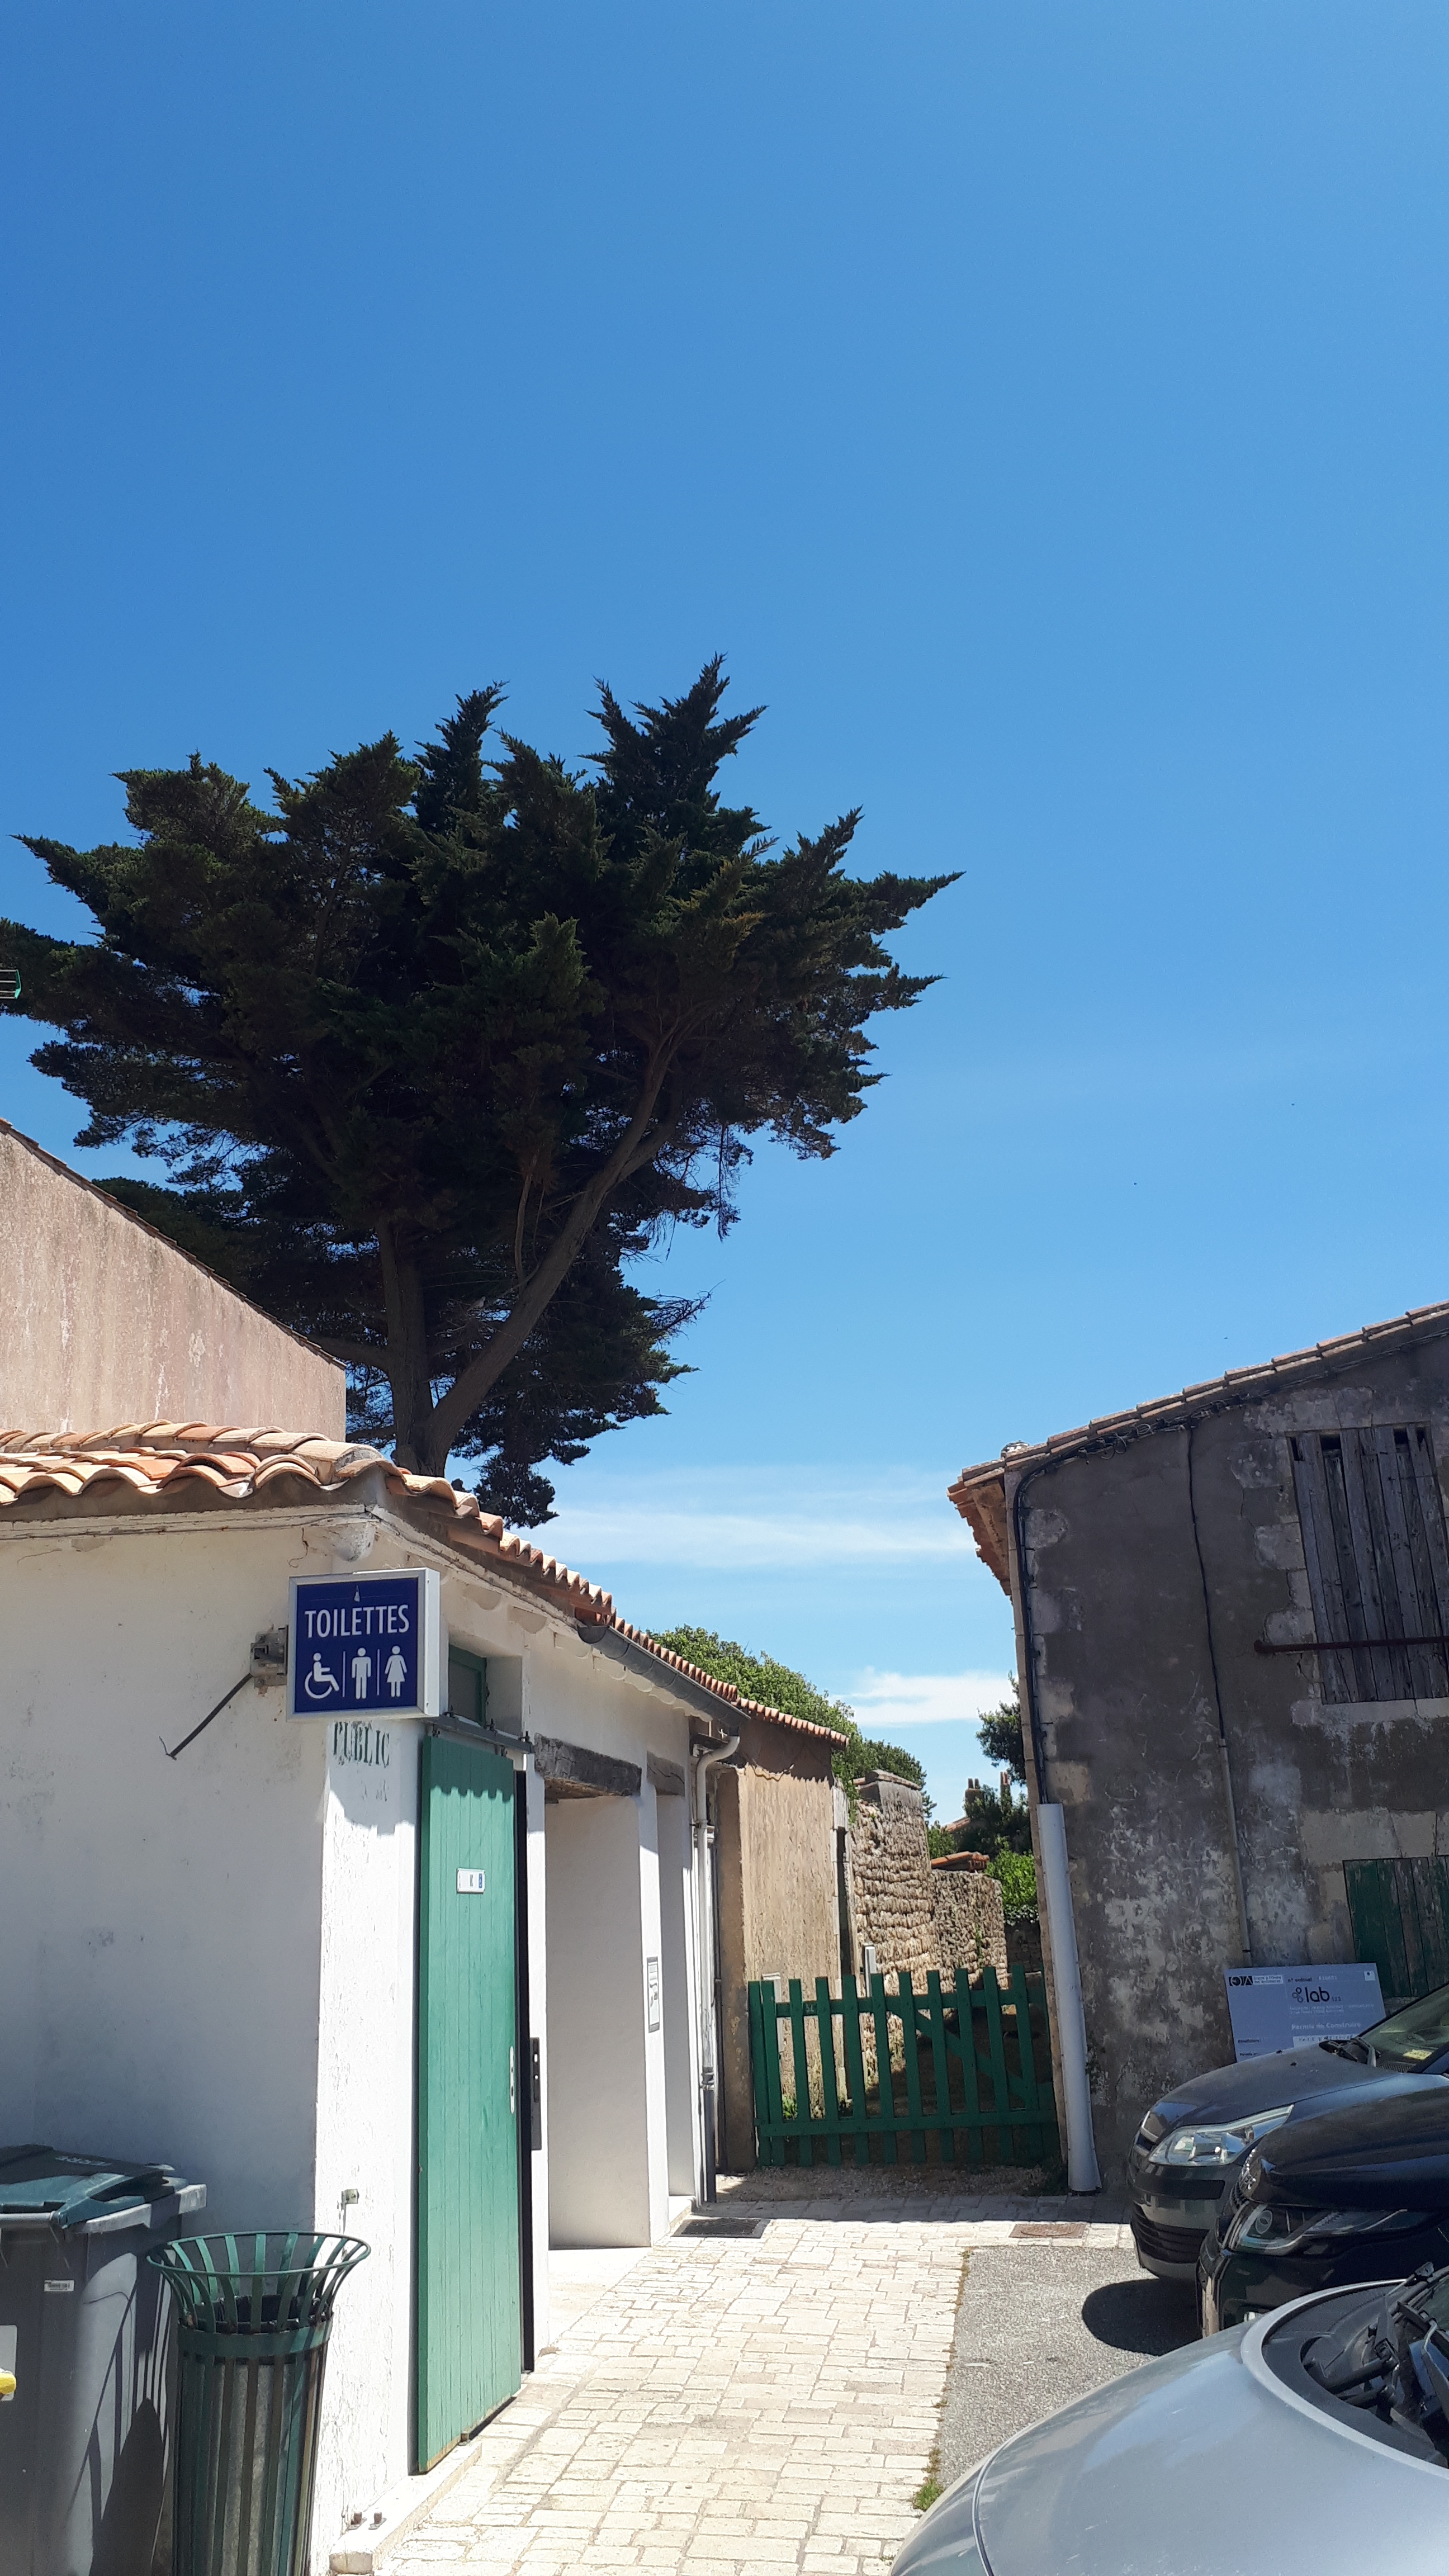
pixel 1000 1732
pixel 433 1047
pixel 780 1686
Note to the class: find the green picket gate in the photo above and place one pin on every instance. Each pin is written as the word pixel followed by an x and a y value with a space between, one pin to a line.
pixel 967 2066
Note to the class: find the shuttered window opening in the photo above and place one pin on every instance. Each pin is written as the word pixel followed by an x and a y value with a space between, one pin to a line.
pixel 1378 1560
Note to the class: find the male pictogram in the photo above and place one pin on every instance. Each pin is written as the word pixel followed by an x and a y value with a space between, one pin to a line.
pixel 361 1672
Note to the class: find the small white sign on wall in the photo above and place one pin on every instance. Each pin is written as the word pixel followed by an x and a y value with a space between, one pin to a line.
pixel 471 1882
pixel 1273 2008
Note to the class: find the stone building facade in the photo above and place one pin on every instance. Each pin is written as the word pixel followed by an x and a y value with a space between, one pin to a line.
pixel 1232 1614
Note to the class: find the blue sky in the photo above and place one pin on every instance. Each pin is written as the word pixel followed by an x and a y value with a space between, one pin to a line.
pixel 1045 409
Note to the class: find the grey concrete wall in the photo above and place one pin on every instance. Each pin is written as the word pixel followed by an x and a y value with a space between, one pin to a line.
pixel 1124 1549
pixel 102 1322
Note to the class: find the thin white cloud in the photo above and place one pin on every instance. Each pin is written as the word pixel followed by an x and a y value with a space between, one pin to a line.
pixel 739 1519
pixel 887 1704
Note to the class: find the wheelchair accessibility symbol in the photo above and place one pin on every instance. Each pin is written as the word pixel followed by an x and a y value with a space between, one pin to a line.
pixel 319 1684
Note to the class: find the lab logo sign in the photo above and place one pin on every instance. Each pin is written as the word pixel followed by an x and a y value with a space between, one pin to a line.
pixel 1277 2008
pixel 367 1645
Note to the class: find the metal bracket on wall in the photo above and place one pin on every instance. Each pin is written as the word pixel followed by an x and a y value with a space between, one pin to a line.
pixel 269 1658
pixel 171 1750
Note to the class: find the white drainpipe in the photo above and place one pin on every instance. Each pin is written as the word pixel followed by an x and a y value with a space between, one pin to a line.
pixel 1082 2173
pixel 702 1758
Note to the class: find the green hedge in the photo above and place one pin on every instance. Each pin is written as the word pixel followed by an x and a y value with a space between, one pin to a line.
pixel 1015 1875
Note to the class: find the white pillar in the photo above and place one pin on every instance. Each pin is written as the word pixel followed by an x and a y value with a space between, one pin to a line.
pixel 680 2094
pixel 651 1941
pixel 1082 2173
pixel 530 1787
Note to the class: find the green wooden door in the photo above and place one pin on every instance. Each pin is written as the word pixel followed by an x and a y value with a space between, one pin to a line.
pixel 1400 1911
pixel 469 2324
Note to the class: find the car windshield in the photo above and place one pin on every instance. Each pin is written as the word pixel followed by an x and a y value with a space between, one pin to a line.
pixel 1411 2037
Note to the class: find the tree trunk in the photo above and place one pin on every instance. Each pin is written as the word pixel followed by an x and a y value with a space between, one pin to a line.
pixel 414 1439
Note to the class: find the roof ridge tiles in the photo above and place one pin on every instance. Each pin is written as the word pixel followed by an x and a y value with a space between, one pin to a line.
pixel 1233 1383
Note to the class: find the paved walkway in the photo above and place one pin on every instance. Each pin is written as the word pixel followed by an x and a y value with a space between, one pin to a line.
pixel 739 2403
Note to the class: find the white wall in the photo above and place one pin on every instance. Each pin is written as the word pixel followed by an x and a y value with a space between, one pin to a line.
pixel 582 1695
pixel 158 1920
pixel 652 1945
pixel 680 2107
pixel 598 2160
pixel 212 1960
pixel 365 2082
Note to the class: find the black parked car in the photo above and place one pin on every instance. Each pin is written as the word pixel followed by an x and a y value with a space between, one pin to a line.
pixel 1356 2193
pixel 1192 2143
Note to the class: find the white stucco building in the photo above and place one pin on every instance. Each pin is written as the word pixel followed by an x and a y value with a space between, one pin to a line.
pixel 215 1958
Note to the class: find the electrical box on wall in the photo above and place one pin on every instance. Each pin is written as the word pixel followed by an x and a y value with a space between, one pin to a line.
pixel 366 1645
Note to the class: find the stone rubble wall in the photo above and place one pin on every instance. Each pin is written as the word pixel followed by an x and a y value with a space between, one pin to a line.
pixel 913 1916
pixel 970 1921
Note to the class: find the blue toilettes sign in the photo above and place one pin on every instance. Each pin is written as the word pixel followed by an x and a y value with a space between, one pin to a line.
pixel 364 1645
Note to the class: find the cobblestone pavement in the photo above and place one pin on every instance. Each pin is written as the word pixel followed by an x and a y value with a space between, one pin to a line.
pixel 739 2403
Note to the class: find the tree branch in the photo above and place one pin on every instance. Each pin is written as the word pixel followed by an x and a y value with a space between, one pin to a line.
pixel 467 1391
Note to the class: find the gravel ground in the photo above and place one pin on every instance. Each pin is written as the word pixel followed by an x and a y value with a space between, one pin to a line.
pixel 1041 2324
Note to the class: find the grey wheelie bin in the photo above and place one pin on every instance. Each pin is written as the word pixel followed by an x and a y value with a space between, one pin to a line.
pixel 84 2428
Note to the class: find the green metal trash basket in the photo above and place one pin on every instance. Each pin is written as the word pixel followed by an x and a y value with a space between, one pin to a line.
pixel 253 2314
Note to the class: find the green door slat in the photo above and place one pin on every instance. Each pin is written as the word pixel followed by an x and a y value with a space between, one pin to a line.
pixel 1400 1915
pixel 469 2316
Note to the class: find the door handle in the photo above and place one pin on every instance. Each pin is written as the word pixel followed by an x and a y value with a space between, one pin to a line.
pixel 512 2083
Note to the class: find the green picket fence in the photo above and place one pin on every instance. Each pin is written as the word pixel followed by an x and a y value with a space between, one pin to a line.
pixel 968 2065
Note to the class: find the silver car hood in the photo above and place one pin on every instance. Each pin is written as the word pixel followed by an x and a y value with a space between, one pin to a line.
pixel 1202 2464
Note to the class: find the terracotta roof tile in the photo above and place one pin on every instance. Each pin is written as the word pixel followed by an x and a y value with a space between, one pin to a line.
pixel 153 1459
pixel 725 1691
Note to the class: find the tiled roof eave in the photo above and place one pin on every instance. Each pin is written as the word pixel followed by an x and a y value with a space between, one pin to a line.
pixel 154 1462
pixel 727 1692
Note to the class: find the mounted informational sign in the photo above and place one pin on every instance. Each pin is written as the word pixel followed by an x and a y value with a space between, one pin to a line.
pixel 1273 2008
pixel 371 1643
